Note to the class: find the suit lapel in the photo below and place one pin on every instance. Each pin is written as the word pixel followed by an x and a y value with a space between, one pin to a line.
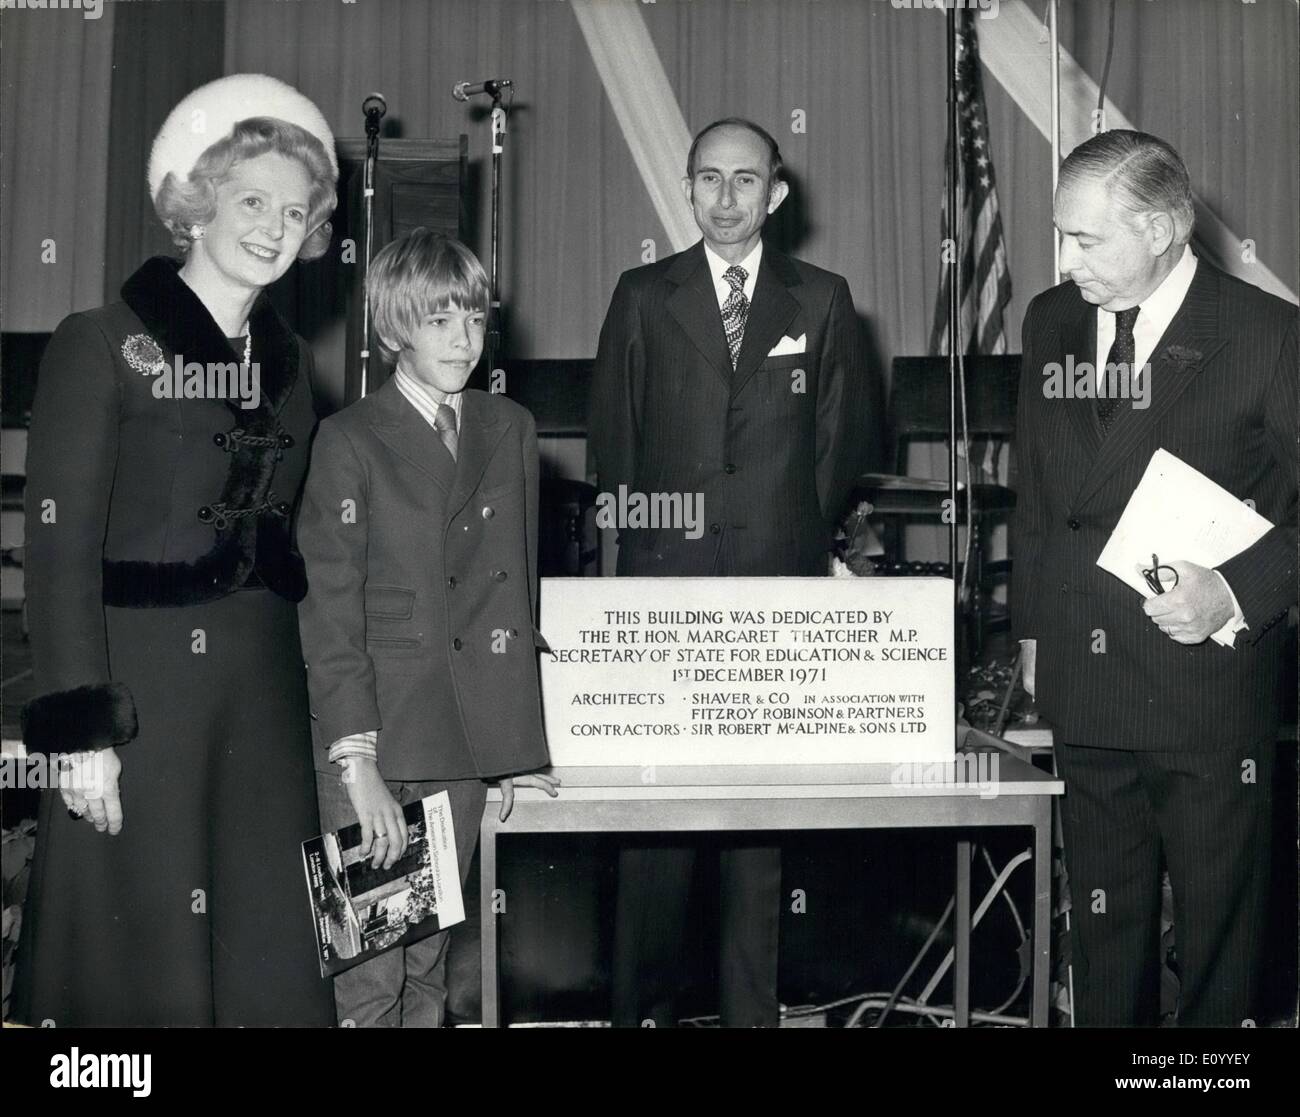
pixel 404 431
pixel 771 311
pixel 480 433
pixel 694 305
pixel 1078 339
pixel 1188 343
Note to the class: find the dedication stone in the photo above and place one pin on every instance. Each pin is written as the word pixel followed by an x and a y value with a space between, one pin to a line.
pixel 748 670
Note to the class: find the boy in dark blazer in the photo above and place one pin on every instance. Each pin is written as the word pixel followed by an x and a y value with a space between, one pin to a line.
pixel 419 533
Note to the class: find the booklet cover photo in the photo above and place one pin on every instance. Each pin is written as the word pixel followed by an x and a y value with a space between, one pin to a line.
pixel 359 911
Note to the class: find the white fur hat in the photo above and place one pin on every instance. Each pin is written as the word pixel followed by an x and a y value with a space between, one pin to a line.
pixel 211 112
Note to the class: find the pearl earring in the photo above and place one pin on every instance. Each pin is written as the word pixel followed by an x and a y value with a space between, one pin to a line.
pixel 197 232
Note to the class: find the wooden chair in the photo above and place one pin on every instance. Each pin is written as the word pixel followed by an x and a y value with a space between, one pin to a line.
pixel 555 391
pixel 568 540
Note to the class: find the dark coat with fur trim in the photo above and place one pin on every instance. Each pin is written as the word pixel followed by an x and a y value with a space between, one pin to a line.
pixel 142 502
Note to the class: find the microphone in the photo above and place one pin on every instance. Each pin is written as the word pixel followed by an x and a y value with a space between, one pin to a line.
pixel 374 107
pixel 464 90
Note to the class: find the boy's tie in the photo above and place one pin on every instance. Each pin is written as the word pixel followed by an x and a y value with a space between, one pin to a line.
pixel 444 422
pixel 735 310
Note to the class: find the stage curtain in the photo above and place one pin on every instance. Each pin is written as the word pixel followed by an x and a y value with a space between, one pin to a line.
pixel 865 152
pixel 1219 82
pixel 188 36
pixel 646 107
pixel 573 207
pixel 852 90
pixel 53 163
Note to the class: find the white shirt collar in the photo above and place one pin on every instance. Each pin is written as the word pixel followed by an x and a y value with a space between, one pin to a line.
pixel 1157 311
pixel 1162 304
pixel 426 400
pixel 717 265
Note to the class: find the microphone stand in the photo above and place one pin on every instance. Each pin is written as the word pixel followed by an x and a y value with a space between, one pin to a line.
pixel 368 203
pixel 495 327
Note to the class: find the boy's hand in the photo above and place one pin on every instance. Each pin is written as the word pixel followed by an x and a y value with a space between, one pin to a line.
pixel 539 780
pixel 383 826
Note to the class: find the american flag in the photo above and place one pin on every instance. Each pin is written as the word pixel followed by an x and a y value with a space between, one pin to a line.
pixel 985 276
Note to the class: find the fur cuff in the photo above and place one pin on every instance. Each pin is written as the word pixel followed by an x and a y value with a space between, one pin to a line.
pixel 79 720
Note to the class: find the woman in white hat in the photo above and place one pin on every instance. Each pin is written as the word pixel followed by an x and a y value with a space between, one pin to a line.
pixel 168 443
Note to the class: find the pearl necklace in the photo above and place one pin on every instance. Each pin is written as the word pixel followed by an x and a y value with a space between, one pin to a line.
pixel 248 349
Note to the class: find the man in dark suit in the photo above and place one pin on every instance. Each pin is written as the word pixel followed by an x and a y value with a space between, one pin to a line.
pixel 734 372
pixel 1166 709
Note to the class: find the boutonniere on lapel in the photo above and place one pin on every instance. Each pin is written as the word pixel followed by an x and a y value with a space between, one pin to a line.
pixel 1184 359
pixel 144 355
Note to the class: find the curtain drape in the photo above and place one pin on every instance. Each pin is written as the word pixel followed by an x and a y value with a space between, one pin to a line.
pixel 645 104
pixel 574 209
pixel 852 90
pixel 1219 82
pixel 145 89
pixel 53 163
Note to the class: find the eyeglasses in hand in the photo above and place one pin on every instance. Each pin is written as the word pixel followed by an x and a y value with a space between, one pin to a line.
pixel 1152 575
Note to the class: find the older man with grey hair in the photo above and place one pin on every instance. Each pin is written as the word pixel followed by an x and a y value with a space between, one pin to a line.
pixel 1165 737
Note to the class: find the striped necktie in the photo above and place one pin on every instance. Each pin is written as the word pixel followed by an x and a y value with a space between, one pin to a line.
pixel 735 310
pixel 444 423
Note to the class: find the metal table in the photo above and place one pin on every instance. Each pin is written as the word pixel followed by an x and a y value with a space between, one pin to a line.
pixel 792 797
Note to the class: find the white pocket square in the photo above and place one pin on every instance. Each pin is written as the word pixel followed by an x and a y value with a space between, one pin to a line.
pixel 788 346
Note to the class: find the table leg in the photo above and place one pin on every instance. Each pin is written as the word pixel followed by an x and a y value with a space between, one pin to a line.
pixel 961 939
pixel 487 860
pixel 1042 912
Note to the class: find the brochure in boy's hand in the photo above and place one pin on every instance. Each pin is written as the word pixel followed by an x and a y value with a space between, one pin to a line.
pixel 360 911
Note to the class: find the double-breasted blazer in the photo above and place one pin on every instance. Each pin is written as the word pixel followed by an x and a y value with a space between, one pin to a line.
pixel 1223 399
pixel 772 447
pixel 422 588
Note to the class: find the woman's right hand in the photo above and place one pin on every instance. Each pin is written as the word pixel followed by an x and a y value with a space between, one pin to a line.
pixel 383 826
pixel 88 782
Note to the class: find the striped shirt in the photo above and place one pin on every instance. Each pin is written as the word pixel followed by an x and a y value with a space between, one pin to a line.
pixel 425 400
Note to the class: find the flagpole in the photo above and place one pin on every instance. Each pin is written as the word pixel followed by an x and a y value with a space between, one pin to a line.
pixel 954 309
pixel 1055 48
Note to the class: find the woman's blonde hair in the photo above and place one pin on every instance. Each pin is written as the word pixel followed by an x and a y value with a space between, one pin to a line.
pixel 182 205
